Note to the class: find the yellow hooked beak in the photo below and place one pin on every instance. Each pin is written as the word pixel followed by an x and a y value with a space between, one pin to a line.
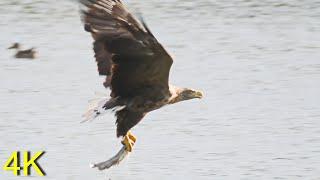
pixel 198 94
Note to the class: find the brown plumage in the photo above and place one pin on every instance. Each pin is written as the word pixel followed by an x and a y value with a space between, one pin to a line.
pixel 135 63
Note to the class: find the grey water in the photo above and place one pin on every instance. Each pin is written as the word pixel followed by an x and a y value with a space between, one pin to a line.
pixel 257 62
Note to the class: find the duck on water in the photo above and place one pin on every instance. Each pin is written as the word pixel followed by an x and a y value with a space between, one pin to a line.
pixel 27 54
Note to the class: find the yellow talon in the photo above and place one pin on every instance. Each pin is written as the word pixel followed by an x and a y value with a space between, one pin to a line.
pixel 132 137
pixel 128 143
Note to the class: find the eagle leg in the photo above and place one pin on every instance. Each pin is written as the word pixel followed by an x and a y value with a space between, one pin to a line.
pixel 128 141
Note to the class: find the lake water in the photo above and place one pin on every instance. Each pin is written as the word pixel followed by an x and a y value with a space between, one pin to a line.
pixel 258 63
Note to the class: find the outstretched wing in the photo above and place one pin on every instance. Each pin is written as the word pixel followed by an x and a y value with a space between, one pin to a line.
pixel 138 60
pixel 102 55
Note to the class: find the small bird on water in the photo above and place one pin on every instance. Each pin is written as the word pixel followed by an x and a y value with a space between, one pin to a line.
pixel 136 67
pixel 27 54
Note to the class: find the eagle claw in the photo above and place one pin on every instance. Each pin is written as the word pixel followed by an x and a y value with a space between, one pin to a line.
pixel 128 141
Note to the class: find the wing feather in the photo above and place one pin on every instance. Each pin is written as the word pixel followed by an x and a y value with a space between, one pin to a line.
pixel 125 48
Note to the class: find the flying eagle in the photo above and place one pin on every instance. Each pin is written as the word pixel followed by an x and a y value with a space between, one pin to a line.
pixel 135 64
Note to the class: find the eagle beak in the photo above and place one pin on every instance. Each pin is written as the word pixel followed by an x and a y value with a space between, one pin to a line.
pixel 198 94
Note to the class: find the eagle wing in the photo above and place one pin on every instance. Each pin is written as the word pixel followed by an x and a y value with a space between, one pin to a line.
pixel 125 48
pixel 102 55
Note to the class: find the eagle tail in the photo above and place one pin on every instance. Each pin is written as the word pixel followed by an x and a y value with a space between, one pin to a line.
pixel 98 107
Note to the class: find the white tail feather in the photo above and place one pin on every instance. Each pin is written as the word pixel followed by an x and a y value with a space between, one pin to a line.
pixel 95 109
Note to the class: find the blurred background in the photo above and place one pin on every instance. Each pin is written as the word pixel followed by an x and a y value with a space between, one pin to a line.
pixel 258 63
